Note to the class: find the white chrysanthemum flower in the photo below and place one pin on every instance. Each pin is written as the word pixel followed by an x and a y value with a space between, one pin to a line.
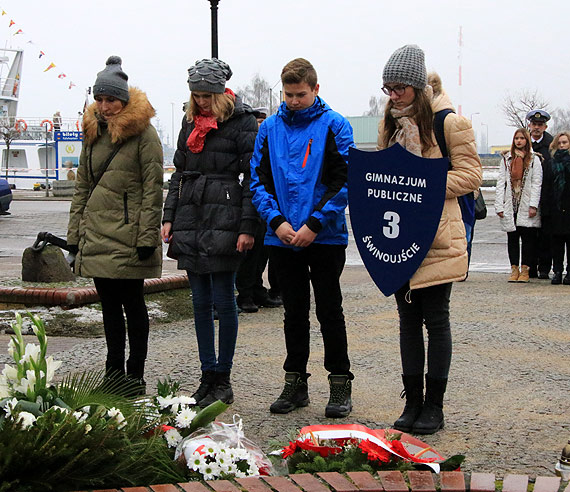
pixel 228 467
pixel 26 419
pixel 253 468
pixel 240 454
pixel 185 417
pixel 31 352
pixel 87 428
pixel 240 474
pixel 195 461
pixel 10 373
pixel 210 471
pixel 52 366
pixel 172 437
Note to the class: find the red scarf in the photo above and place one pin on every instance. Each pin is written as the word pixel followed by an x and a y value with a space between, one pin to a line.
pixel 203 123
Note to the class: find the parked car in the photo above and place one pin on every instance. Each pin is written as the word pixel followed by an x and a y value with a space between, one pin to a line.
pixel 5 197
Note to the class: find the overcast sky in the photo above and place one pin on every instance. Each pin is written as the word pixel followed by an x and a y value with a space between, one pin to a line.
pixel 507 46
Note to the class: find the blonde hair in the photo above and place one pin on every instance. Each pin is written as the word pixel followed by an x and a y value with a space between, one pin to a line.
pixel 554 144
pixel 223 106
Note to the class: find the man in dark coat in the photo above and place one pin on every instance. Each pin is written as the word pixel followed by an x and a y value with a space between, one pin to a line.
pixel 541 140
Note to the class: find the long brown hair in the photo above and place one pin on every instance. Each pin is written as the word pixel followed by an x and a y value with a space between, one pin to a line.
pixel 554 144
pixel 527 148
pixel 223 106
pixel 423 116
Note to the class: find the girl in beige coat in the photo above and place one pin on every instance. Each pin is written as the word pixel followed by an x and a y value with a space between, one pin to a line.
pixel 408 120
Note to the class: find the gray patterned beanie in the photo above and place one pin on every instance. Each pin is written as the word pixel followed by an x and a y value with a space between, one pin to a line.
pixel 112 81
pixel 209 75
pixel 406 66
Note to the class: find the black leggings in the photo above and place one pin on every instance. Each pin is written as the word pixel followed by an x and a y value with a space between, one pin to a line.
pixel 429 305
pixel 116 294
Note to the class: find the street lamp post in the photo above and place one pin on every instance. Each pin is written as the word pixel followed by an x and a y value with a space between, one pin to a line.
pixel 486 137
pixel 214 7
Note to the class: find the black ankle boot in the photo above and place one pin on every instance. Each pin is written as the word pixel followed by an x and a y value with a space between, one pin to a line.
pixel 414 393
pixel 295 393
pixel 431 417
pixel 221 389
pixel 556 278
pixel 206 384
pixel 340 401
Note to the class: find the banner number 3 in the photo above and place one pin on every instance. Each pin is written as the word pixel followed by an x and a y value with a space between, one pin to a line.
pixel 392 230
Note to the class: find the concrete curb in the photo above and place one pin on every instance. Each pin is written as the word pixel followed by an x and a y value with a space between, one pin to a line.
pixel 68 297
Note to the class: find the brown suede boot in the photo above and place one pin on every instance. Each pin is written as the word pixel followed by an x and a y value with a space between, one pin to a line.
pixel 523 277
pixel 514 273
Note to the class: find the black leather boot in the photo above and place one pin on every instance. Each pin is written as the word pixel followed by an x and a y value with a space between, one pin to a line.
pixel 340 401
pixel 431 417
pixel 556 278
pixel 221 389
pixel 295 393
pixel 414 393
pixel 206 385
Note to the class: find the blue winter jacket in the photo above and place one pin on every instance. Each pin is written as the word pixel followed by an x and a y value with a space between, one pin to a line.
pixel 299 172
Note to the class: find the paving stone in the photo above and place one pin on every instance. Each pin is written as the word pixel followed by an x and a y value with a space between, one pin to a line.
pixel 281 484
pixel 547 484
pixel 515 483
pixel 421 481
pixel 164 488
pixel 308 482
pixel 222 486
pixel 393 481
pixel 193 487
pixel 253 484
pixel 482 482
pixel 452 482
pixel 135 489
pixel 365 481
pixel 338 482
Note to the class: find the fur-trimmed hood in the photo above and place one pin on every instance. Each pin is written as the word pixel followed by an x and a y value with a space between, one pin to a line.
pixel 440 99
pixel 132 120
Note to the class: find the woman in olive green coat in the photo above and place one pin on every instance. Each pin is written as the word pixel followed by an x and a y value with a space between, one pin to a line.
pixel 115 215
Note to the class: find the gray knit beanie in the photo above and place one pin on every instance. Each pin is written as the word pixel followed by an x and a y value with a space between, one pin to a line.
pixel 209 75
pixel 406 66
pixel 112 81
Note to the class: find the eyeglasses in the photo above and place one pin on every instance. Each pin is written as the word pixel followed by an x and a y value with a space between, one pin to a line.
pixel 398 89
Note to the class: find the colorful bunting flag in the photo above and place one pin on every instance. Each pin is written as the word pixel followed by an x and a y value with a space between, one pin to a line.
pixel 19 31
pixel 11 23
pixel 3 13
pixel 61 76
pixel 41 54
pixel 51 65
pixel 71 84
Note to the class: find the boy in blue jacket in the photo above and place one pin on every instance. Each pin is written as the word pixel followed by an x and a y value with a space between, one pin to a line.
pixel 298 180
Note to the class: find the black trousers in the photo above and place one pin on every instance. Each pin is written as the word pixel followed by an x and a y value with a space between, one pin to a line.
pixel 320 265
pixel 560 242
pixel 521 245
pixel 116 294
pixel 543 250
pixel 429 305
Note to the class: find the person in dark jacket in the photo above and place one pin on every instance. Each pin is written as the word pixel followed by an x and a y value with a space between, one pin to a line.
pixel 541 140
pixel 556 204
pixel 114 223
pixel 298 173
pixel 209 219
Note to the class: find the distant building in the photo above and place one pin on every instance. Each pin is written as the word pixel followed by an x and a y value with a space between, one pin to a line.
pixel 497 149
pixel 365 130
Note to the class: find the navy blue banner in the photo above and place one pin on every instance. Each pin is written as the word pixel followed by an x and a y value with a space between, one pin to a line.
pixel 395 200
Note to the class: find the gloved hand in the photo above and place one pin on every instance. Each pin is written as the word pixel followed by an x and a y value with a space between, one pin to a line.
pixel 73 249
pixel 145 252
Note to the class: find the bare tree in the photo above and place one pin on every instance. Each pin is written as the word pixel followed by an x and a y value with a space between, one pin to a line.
pixel 375 106
pixel 257 93
pixel 560 121
pixel 515 107
pixel 8 132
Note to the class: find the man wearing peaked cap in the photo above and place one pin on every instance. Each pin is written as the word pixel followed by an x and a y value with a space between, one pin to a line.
pixel 541 140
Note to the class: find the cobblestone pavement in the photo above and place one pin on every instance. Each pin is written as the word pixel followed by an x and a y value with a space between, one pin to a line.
pixel 507 406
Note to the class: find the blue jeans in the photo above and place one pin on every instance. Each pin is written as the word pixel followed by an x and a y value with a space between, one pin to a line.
pixel 208 290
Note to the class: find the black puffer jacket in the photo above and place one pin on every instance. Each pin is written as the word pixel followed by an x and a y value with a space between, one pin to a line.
pixel 206 203
pixel 556 201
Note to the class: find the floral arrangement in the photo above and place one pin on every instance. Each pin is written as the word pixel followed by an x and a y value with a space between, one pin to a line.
pixel 344 448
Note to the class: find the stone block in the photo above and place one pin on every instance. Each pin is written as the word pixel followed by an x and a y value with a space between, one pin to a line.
pixel 47 265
